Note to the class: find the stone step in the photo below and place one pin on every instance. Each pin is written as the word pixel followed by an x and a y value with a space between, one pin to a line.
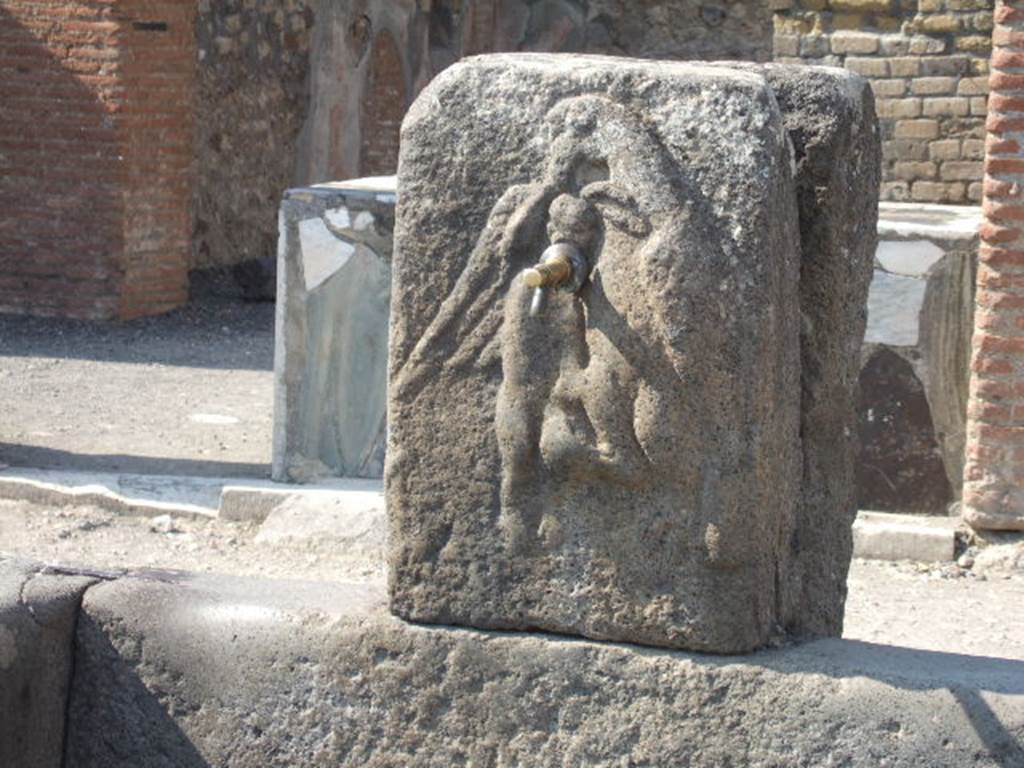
pixel 884 536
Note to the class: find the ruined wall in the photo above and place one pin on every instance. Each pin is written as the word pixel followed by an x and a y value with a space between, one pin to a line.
pixel 95 153
pixel 250 101
pixel 928 64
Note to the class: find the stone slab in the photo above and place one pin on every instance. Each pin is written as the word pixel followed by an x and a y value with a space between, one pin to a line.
pixel 883 536
pixel 334 281
pixel 258 502
pixel 624 465
pixel 186 671
pixel 926 221
pixel 236 499
pixel 38 610
pixel 127 494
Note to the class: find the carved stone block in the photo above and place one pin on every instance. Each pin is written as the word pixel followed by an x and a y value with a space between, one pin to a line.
pixel 623 462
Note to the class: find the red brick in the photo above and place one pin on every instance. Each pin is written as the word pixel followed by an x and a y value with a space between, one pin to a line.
pixel 97 126
pixel 991 366
pixel 1007 13
pixel 994 165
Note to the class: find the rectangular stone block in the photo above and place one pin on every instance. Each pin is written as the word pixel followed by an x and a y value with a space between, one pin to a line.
pixel 533 510
pixel 881 536
pixel 854 42
pixel 330 360
pixel 625 464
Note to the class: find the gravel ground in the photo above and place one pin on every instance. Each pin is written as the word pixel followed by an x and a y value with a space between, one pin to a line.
pixel 189 393
pixel 948 609
pixel 90 537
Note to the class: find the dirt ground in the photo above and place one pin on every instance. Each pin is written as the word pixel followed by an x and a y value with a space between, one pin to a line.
pixel 189 393
pixel 948 609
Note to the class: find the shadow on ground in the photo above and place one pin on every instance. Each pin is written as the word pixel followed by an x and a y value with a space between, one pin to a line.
pixel 216 329
pixel 35 457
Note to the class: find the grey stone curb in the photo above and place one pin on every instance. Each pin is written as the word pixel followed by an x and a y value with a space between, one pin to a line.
pixel 191 497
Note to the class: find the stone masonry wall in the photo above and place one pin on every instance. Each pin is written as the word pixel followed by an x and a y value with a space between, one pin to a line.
pixel 95 156
pixel 250 102
pixel 928 64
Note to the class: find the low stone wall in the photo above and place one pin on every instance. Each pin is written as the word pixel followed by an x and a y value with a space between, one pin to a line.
pixel 928 62
pixel 38 612
pixel 192 670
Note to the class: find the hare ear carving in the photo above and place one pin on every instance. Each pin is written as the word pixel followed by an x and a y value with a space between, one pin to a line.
pixel 619 208
pixel 470 316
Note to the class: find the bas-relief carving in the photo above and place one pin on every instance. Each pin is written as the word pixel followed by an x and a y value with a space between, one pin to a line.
pixel 601 413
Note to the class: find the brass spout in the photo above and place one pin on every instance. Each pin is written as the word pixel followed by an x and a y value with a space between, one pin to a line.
pixel 562 266
pixel 551 273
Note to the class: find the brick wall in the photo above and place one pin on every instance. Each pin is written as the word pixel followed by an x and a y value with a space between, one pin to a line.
pixel 60 204
pixel 157 53
pixel 994 472
pixel 928 64
pixel 95 151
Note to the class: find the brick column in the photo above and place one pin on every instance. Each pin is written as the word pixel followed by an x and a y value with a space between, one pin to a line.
pixel 994 473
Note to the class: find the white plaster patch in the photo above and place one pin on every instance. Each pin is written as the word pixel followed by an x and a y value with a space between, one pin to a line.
pixel 339 218
pixel 323 254
pixel 8 648
pixel 894 309
pixel 908 257
pixel 212 418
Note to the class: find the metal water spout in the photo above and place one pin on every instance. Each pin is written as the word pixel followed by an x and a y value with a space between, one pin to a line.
pixel 562 266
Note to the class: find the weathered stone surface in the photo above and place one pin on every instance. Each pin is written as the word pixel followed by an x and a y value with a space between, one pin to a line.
pixel 830 117
pixel 626 465
pixel 182 672
pixel 334 279
pixel 914 379
pixel 37 621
